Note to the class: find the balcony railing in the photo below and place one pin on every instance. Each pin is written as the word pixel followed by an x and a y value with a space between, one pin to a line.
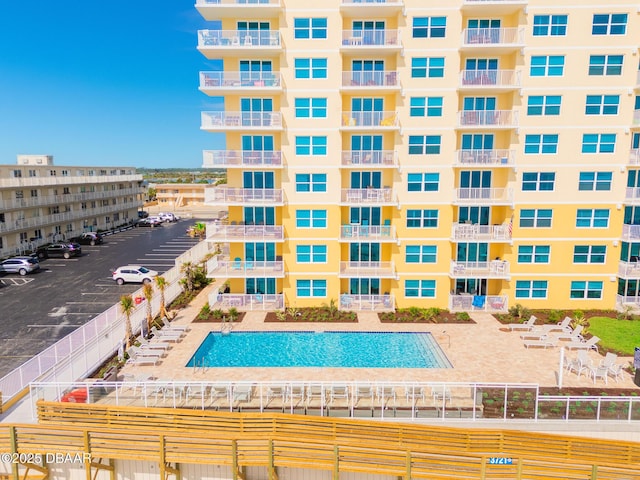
pixel 242 196
pixel 241 159
pixel 246 9
pixel 222 267
pixel 478 303
pixel 628 300
pixel 370 303
pixel 371 80
pixel 484 196
pixel 490 78
pixel 488 118
pixel 462 232
pixel 46 181
pixel 241 120
pixel 630 232
pixel 258 81
pixel 492 37
pixel 370 119
pixel 629 269
pixel 242 233
pixel 247 302
pixel 490 269
pixel 367 270
pixel 369 196
pixel 632 195
pixel 634 156
pixel 366 233
pixel 240 39
pixel 68 198
pixel 486 158
pixel 369 158
pixel 363 39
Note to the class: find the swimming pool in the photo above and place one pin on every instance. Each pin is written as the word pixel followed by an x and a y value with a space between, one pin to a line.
pixel 320 349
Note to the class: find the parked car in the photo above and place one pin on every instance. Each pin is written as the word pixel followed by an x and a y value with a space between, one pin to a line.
pixel 142 214
pixel 148 222
pixel 88 238
pixel 21 265
pixel 133 274
pixel 168 217
pixel 60 249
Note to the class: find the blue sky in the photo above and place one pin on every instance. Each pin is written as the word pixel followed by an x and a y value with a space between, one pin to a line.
pixel 103 83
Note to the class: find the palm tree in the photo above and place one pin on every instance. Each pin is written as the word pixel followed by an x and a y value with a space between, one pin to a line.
pixel 200 229
pixel 189 270
pixel 127 306
pixel 147 291
pixel 161 283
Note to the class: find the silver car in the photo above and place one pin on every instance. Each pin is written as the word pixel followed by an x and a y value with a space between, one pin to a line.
pixel 21 265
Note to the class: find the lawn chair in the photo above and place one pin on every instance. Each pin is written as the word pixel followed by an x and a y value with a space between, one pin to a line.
pixel 526 326
pixel 588 345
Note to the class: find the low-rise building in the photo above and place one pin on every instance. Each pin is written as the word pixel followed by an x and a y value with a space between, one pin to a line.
pixel 175 195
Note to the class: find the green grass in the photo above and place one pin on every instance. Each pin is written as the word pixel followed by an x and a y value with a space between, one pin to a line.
pixel 620 336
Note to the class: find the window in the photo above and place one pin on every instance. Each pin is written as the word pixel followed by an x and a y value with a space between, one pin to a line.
pixel 19 194
pixel 541 144
pixel 533 289
pixel 538 217
pixel 609 24
pixel 311 254
pixel 602 105
pixel 605 64
pixel 420 288
pixel 598 142
pixel 549 25
pixel 538 181
pixel 304 28
pixel 311 145
pixel 311 288
pixel 580 289
pixel 422 218
pixel 589 253
pixel 311 107
pixel 424 144
pixel 534 253
pixel 421 253
pixel 544 105
pixel 429 27
pixel 423 182
pixel 310 67
pixel 311 182
pixel 311 219
pixel 547 66
pixel 592 218
pixel 595 181
pixel 427 67
pixel 425 106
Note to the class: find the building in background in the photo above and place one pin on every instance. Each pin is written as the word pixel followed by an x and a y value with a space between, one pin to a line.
pixel 176 195
pixel 41 202
pixel 469 154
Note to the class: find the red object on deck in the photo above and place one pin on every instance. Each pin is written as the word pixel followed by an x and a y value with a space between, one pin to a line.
pixel 79 395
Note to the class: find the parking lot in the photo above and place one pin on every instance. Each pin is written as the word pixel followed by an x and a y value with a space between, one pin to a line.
pixel 38 309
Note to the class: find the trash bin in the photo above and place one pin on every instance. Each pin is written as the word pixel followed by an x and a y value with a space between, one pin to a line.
pixel 636 365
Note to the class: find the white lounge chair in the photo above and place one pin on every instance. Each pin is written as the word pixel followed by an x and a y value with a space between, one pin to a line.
pixel 588 345
pixel 338 391
pixel 573 336
pixel 544 342
pixel 526 326
pixel 144 352
pixel 608 360
pixel 156 345
pixel 563 326
pixel 616 371
pixel 166 336
pixel 582 363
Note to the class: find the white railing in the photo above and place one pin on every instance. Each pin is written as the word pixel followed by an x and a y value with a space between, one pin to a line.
pixel 490 78
pixel 491 118
pixel 490 269
pixel 628 299
pixel 371 303
pixel 371 3
pixel 366 195
pixel 629 269
pixel 246 302
pixel 636 117
pixel 241 159
pixel 634 156
pixel 223 267
pixel 494 158
pixel 482 303
pixel 235 233
pixel 239 3
pixel 493 36
pixel 371 38
pixel 44 182
pixel 370 158
pixel 632 194
pixel 241 120
pixel 370 79
pixel 240 80
pixel 367 269
pixel 485 233
pixel 63 199
pixel 253 39
pixel 364 233
pixel 481 196
pixel 370 119
pixel 258 196
pixel 630 232
pixel 480 2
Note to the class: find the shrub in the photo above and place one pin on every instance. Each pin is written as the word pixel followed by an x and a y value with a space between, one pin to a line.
pixel 555 316
pixel 462 317
pixel 519 311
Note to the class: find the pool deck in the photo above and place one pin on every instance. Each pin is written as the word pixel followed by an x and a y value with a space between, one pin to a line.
pixel 480 352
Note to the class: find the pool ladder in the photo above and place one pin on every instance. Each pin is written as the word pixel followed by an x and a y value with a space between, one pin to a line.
pixel 226 327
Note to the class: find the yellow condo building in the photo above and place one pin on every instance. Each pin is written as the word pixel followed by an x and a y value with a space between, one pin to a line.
pixel 467 154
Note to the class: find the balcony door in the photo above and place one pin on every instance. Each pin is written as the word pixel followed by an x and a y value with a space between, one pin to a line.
pixel 253 148
pixel 484 104
pixel 475 215
pixel 367 72
pixel 264 286
pixel 364 286
pixel 481 71
pixel 365 216
pixel 256 111
pixel 366 179
pixel 254 33
pixel 475 179
pixel 367 111
pixel 477 141
pixel 254 70
pixel 260 251
pixel 259 216
pixel 476 286
pixel 258 180
pixel 483 23
pixel 364 252
pixel 472 252
pixel 370 31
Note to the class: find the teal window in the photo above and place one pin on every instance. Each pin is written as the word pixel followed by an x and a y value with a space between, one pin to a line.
pixel 605 64
pixel 538 181
pixel 311 253
pixel 311 107
pixel 420 288
pixel 424 144
pixel 422 218
pixel 602 105
pixel 586 290
pixel 598 142
pixel 305 28
pixel 536 217
pixel 429 27
pixel 609 24
pixel 547 66
pixel 544 105
pixel 534 253
pixel 592 218
pixel 541 144
pixel 427 67
pixel 311 145
pixel 421 253
pixel 311 182
pixel 425 106
pixel 549 25
pixel 311 219
pixel 310 68
pixel 311 288
pixel 533 289
pixel 423 182
pixel 595 181
pixel 589 253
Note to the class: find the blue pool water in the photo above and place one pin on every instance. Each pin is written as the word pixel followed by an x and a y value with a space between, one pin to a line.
pixel 328 349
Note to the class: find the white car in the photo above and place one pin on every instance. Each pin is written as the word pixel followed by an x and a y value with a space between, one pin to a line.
pixel 168 217
pixel 133 274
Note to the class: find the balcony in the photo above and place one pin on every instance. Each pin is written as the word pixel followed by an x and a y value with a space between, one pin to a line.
pixel 254 43
pixel 245 83
pixel 478 303
pixel 367 303
pixel 367 196
pixel 245 302
pixel 241 121
pixel 493 119
pixel 254 9
pixel 483 196
pixel 468 232
pixel 363 159
pixel 634 156
pixel 245 159
pixel 368 233
pixel 632 196
pixel 371 8
pixel 244 233
pixel 222 267
pixel 367 270
pixel 485 158
pixel 378 42
pixel 495 81
pixel 495 40
pixel 46 181
pixel 629 270
pixel 498 269
pixel 67 198
pixel 624 300
pixel 368 121
pixel 630 233
pixel 370 82
pixel 220 196
pixel 493 7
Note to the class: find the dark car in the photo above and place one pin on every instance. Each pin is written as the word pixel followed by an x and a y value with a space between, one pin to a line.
pixel 87 238
pixel 142 214
pixel 148 222
pixel 60 249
